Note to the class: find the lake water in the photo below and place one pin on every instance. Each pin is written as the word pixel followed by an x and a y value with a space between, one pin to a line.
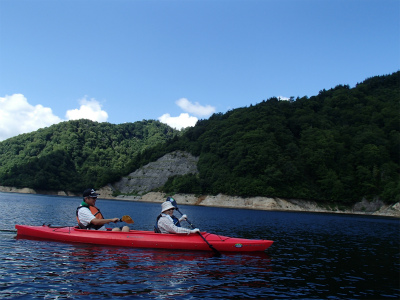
pixel 314 256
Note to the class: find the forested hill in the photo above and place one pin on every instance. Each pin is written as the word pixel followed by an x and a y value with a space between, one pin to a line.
pixel 339 146
pixel 73 155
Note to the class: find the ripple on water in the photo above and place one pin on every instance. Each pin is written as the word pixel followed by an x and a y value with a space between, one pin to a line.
pixel 314 256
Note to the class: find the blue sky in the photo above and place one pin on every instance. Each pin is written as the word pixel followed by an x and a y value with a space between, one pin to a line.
pixel 178 61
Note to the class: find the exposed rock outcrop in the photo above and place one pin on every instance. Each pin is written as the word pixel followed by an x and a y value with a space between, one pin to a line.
pixel 266 203
pixel 8 189
pixel 260 203
pixel 156 174
pixel 137 186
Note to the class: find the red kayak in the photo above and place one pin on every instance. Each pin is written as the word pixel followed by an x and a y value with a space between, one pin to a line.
pixel 144 239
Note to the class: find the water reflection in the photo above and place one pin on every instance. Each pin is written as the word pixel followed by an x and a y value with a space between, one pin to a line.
pixel 88 270
pixel 159 272
pixel 314 256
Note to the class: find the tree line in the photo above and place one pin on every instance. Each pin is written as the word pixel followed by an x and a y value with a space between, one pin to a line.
pixel 73 155
pixel 339 146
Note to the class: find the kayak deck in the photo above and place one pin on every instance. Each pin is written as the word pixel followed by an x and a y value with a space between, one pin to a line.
pixel 144 239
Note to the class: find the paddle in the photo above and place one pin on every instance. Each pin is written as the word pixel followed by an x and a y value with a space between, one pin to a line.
pixel 173 202
pixel 126 219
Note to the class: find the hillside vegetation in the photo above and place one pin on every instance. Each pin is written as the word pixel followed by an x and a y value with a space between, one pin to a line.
pixel 73 155
pixel 340 146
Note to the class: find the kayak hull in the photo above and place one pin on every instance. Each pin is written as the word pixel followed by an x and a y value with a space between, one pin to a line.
pixel 143 239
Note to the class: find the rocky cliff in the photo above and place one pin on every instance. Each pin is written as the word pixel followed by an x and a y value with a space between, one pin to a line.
pixel 137 186
pixel 363 207
pixel 156 174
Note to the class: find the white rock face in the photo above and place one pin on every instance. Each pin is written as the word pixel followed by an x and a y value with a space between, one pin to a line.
pixel 264 203
pixel 137 186
pixel 156 174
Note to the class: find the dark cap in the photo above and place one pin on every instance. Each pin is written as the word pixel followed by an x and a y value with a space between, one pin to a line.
pixel 90 193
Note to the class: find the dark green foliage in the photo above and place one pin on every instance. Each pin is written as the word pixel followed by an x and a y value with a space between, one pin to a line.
pixel 183 184
pixel 76 154
pixel 339 146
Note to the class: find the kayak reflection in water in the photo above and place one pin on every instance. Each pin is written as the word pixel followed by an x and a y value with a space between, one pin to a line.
pixel 168 223
pixel 90 217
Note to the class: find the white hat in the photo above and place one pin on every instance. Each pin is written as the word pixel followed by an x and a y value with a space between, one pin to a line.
pixel 166 205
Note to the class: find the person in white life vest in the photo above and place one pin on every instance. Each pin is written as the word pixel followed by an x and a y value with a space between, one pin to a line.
pixel 90 217
pixel 165 221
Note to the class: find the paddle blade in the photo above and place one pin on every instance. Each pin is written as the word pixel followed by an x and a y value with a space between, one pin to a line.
pixel 127 219
pixel 173 202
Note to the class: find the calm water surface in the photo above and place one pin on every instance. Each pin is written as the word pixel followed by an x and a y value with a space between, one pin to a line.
pixel 314 256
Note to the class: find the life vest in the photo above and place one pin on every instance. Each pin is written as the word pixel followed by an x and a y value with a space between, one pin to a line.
pixel 95 211
pixel 175 219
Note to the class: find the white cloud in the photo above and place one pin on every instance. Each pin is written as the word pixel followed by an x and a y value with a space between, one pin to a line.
pixel 90 109
pixel 18 116
pixel 183 121
pixel 196 108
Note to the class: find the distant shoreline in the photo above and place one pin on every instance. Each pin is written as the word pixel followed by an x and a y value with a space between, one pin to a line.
pixel 374 208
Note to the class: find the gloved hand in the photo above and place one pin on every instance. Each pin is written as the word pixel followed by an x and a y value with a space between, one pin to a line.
pixel 184 217
pixel 195 230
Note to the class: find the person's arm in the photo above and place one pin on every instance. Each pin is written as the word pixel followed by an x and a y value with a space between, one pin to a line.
pixel 166 225
pixel 100 222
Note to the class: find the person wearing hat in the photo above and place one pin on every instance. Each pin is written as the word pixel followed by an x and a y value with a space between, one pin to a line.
pixel 168 223
pixel 90 217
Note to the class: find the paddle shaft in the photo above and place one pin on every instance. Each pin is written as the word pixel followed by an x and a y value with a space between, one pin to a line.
pixel 191 225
